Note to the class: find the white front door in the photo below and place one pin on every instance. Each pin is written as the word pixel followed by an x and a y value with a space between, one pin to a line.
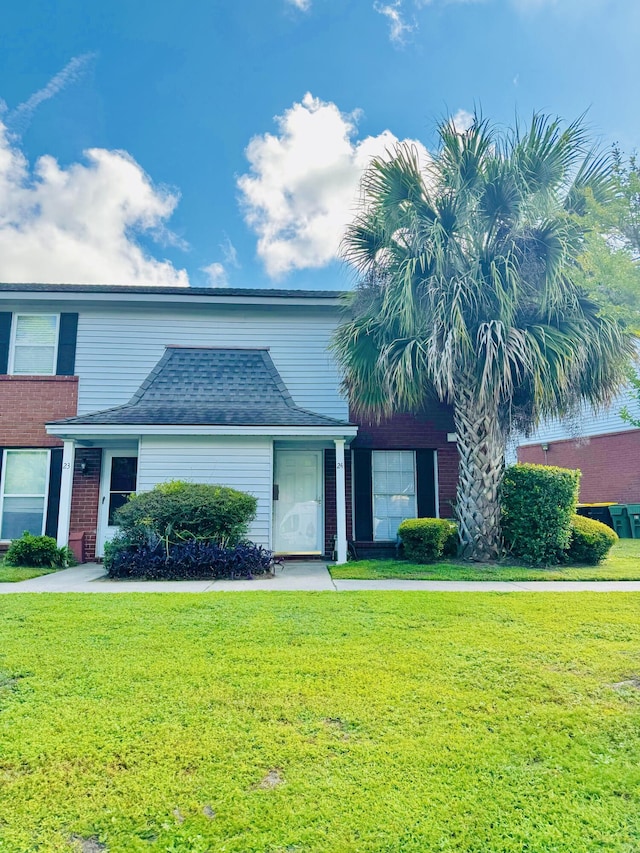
pixel 118 480
pixel 297 514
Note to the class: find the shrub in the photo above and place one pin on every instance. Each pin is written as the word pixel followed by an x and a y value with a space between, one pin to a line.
pixel 590 541
pixel 177 511
pixel 192 560
pixel 538 503
pixel 452 541
pixel 424 539
pixel 41 552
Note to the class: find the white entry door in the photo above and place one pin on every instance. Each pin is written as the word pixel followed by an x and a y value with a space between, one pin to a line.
pixel 118 481
pixel 297 506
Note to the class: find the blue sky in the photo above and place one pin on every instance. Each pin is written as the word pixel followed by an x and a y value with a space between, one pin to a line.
pixel 220 142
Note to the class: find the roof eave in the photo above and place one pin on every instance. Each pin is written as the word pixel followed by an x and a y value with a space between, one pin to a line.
pixel 76 430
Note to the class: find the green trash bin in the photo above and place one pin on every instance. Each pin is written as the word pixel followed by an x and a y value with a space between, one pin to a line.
pixel 621 523
pixel 633 511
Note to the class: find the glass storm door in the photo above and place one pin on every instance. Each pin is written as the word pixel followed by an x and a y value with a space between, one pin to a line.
pixel 119 475
pixel 297 506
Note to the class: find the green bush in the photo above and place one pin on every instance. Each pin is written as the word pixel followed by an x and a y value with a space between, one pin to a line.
pixel 590 541
pixel 538 503
pixel 40 552
pixel 452 542
pixel 177 511
pixel 425 539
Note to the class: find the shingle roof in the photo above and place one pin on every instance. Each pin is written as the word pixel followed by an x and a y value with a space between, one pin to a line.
pixel 11 287
pixel 211 386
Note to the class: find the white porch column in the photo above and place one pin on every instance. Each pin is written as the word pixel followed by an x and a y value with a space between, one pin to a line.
pixel 66 484
pixel 341 503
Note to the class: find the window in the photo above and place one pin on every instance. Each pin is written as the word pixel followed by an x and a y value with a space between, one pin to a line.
pixel 24 489
pixel 35 344
pixel 124 470
pixel 394 491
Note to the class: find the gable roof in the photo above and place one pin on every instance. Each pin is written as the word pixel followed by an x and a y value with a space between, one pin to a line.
pixel 210 386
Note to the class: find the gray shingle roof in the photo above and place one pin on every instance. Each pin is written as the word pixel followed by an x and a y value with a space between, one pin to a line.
pixel 211 386
pixel 11 287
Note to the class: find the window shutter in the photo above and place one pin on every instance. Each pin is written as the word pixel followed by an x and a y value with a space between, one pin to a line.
pixel 67 345
pixel 53 500
pixel 425 483
pixel 5 340
pixel 362 496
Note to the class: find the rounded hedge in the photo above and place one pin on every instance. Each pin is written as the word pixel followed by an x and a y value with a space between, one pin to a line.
pixel 176 511
pixel 538 503
pixel 40 552
pixel 427 539
pixel 590 541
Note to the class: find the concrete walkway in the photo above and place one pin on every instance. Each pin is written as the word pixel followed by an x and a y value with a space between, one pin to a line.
pixel 295 577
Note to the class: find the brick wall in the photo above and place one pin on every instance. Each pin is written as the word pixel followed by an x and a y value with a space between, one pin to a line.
pixel 427 431
pixel 28 402
pixel 401 432
pixel 610 464
pixel 85 498
pixel 330 521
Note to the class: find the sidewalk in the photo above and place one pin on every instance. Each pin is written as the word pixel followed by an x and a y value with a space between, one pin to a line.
pixel 294 577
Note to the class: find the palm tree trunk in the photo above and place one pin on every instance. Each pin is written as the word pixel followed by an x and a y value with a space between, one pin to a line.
pixel 481 446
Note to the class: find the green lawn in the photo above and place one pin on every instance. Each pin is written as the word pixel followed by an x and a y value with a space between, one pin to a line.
pixel 622 564
pixel 13 574
pixel 320 723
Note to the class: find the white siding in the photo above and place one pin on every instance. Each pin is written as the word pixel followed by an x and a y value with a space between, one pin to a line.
pixel 587 424
pixel 118 346
pixel 243 463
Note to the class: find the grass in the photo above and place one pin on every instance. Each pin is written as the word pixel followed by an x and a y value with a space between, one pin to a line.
pixel 14 574
pixel 321 723
pixel 622 564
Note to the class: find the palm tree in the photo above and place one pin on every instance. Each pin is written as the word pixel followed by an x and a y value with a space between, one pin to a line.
pixel 465 290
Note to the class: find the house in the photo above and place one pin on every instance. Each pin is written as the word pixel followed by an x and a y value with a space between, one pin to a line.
pixel 602 445
pixel 107 390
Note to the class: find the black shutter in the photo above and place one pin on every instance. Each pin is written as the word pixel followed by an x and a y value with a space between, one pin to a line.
pixel 425 483
pixel 67 345
pixel 362 496
pixel 53 500
pixel 5 339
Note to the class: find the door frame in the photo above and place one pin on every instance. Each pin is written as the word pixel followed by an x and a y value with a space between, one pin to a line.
pixel 319 453
pixel 105 482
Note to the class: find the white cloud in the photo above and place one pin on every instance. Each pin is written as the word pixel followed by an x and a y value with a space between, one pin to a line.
pixel 81 224
pixel 229 252
pixel 302 187
pixel 462 120
pixel 19 118
pixel 399 29
pixel 217 275
pixel 303 5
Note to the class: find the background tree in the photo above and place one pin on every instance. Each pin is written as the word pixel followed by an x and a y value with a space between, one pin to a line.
pixel 467 290
pixel 609 265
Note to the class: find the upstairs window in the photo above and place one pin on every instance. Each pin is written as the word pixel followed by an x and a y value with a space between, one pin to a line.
pixel 34 345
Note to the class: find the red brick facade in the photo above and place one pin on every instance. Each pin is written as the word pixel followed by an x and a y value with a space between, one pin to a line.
pixel 85 499
pixel 427 431
pixel 28 402
pixel 610 464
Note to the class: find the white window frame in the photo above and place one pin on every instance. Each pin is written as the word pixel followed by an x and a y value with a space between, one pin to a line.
pixel 373 492
pixel 12 344
pixel 6 451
